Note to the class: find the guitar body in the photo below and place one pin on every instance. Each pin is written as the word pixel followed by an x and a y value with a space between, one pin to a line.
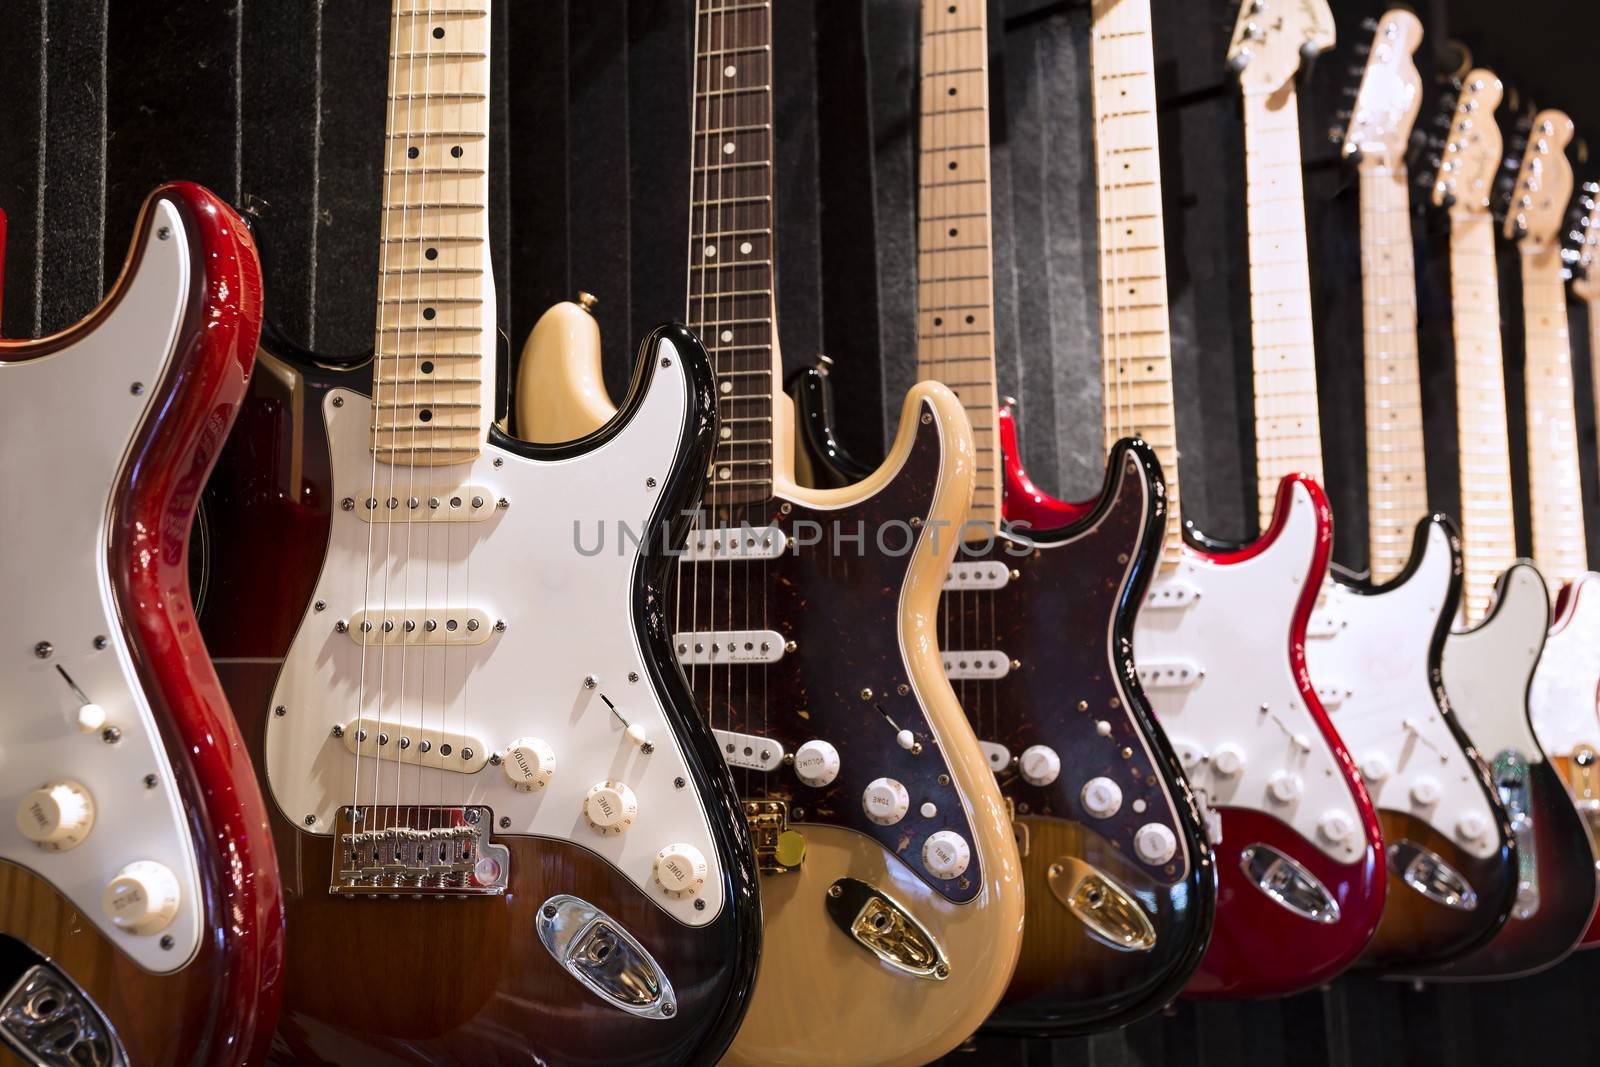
pixel 485 984
pixel 1562 703
pixel 1374 653
pixel 1237 704
pixel 855 615
pixel 100 595
pixel 1083 967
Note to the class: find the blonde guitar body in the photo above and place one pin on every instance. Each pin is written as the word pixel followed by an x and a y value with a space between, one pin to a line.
pixel 821 996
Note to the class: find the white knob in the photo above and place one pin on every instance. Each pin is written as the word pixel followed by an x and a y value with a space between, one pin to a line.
pixel 636 735
pixel 91 717
pixel 946 854
pixel 816 763
pixel 906 740
pixel 1425 791
pixel 1375 767
pixel 1285 786
pixel 142 898
pixel 529 763
pixel 1155 843
pixel 56 817
pixel 1101 797
pixel 1336 826
pixel 1472 826
pixel 1228 760
pixel 680 869
pixel 610 807
pixel 1040 765
pixel 885 801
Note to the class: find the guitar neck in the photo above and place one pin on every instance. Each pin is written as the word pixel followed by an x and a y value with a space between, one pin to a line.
pixel 1489 535
pixel 1136 345
pixel 1553 485
pixel 955 287
pixel 730 302
pixel 431 381
pixel 1397 489
pixel 1288 428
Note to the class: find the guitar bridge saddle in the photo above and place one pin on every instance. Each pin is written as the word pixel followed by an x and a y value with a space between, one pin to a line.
pixel 415 851
pixel 600 953
pixel 1426 872
pixel 778 849
pixel 1287 882
pixel 48 1021
pixel 877 922
pixel 1109 912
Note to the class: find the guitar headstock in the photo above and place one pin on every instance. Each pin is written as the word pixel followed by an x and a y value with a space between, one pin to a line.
pixel 1586 232
pixel 1544 183
pixel 1273 38
pixel 1390 93
pixel 1474 148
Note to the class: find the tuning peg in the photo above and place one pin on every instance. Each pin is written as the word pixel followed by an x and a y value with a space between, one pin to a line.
pixel 1370 24
pixel 1591 187
pixel 1239 60
pixel 1335 134
pixel 1448 201
pixel 1309 53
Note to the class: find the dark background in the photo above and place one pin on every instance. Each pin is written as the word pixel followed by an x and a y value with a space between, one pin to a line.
pixel 282 101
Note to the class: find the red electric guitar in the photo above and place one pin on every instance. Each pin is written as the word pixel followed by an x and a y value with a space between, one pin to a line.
pixel 140 915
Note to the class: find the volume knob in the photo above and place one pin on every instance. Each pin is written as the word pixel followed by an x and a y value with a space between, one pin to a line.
pixel 1102 798
pixel 1285 786
pixel 1425 791
pixel 816 763
pixel 680 870
pixel 1039 764
pixel 1155 843
pixel 946 854
pixel 885 801
pixel 142 898
pixel 529 763
pixel 56 817
pixel 610 807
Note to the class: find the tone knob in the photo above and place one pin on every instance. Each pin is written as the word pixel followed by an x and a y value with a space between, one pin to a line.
pixel 1472 826
pixel 610 807
pixel 142 898
pixel 680 870
pixel 91 717
pixel 56 817
pixel 1375 767
pixel 1228 760
pixel 1336 826
pixel 1425 791
pixel 529 763
pixel 885 801
pixel 1101 797
pixel 946 854
pixel 1040 765
pixel 816 763
pixel 1285 786
pixel 1155 843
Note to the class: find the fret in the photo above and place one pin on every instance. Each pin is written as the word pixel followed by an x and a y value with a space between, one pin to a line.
pixel 439 12
pixel 1553 479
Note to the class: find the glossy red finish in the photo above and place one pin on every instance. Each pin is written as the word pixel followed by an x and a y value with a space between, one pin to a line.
pixel 1026 505
pixel 2 266
pixel 232 1019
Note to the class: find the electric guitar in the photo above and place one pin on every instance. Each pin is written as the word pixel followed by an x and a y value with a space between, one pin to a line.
pixel 1296 841
pixel 1119 876
pixel 1377 639
pixel 1488 667
pixel 512 836
pixel 806 620
pixel 140 909
pixel 1562 700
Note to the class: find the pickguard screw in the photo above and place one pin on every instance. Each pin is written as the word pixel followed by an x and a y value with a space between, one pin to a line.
pixel 590 682
pixel 321 605
pixel 499 462
pixel 699 905
pixel 944 779
pixel 1015 574
pixel 790 646
pixel 672 1009
pixel 44 649
pixel 502 503
pixel 151 781
pixel 1122 557
pixel 785 508
pixel 633 676
pixel 902 689
pixel 678 783
pixel 137 388
pixel 473 815
pixel 649 483
pixel 926 418
pixel 338 731
pixel 310 820
pixel 100 643
pixel 835 892
pixel 549 911
pixel 505 822
pixel 167 942
pixel 347 504
pixel 665 362
pixel 866 694
pixel 338 401
pixel 943 970
pixel 499 626
pixel 341 626
pixel 916 522
pixel 164 234
pixel 280 711
pixel 494 759
pixel 111 735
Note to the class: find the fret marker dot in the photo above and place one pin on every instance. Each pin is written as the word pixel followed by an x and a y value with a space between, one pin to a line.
pixel 937 321
pixel 726 387
pixel 971 320
pixel 951 91
pixel 438 33
pixel 432 253
pixel 745 247
pixel 725 433
pixel 412 152
pixel 456 152
pixel 729 71
pixel 427 366
pixel 727 148
pixel 952 164
pixel 725 473
pixel 425 415
pixel 711 251
pixel 952 231
pixel 428 313
pixel 726 335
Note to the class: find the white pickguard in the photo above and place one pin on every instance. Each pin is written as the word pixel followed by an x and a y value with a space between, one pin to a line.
pixel 568 614
pixel 1562 701
pixel 68 420
pixel 1488 669
pixel 1376 657
pixel 1236 632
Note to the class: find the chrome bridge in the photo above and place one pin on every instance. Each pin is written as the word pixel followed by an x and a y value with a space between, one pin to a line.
pixel 408 850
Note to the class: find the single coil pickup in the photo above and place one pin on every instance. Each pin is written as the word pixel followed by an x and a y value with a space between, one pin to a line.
pixel 999 756
pixel 986 574
pixel 467 503
pixel 420 627
pixel 978 664
pixel 1324 624
pixel 1172 594
pixel 1170 674
pixel 749 751
pixel 728 646
pixel 1331 695
pixel 409 743
pixel 730 543
pixel 417 851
